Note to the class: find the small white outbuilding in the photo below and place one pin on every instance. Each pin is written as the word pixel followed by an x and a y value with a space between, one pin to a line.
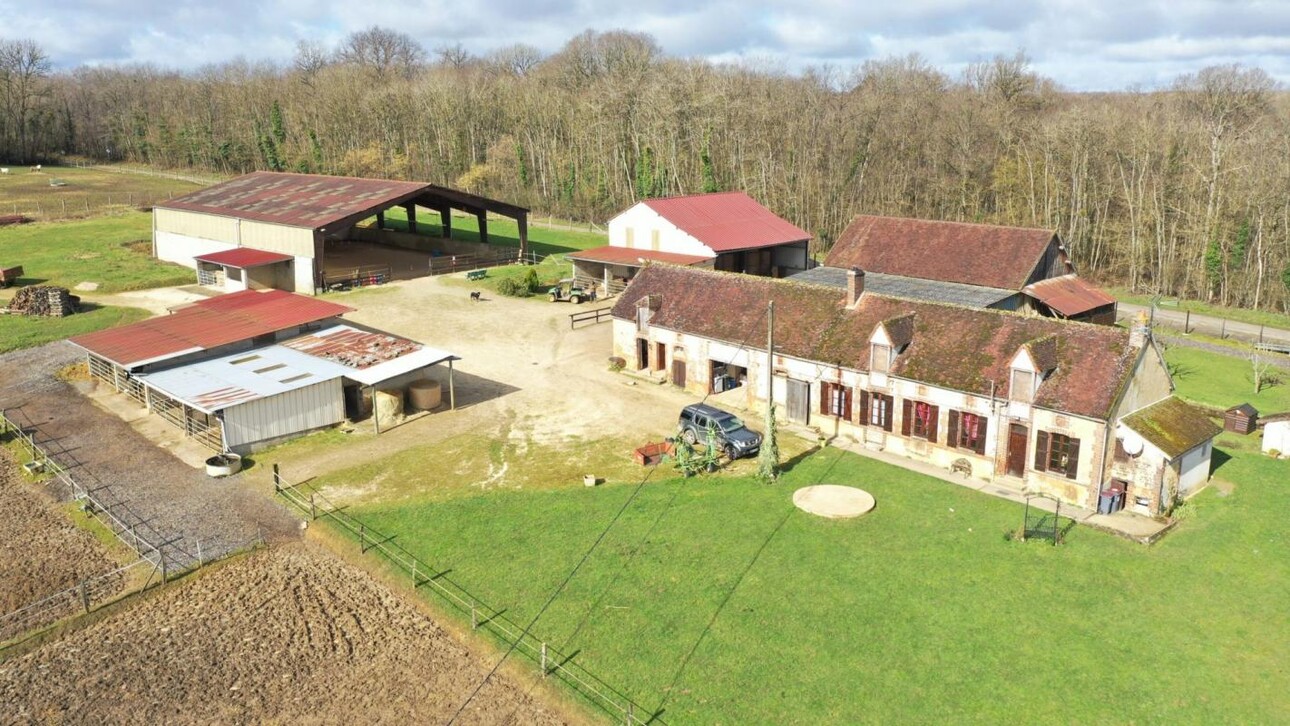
pixel 1276 434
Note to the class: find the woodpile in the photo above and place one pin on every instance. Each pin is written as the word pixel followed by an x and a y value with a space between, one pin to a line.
pixel 8 219
pixel 45 301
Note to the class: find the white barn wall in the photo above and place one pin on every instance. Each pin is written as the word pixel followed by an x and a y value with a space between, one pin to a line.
pixel 643 221
pixel 1276 437
pixel 275 417
pixel 181 249
pixel 1194 469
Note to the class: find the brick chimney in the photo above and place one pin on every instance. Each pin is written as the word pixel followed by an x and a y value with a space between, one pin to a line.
pixel 1140 330
pixel 855 286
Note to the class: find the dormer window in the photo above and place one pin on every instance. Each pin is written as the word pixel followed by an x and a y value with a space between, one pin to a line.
pixel 1023 386
pixel 879 358
pixel 642 318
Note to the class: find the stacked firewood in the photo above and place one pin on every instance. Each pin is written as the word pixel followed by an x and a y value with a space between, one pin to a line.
pixel 44 300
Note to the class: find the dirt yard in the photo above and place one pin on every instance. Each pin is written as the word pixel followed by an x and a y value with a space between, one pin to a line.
pixel 285 635
pixel 41 551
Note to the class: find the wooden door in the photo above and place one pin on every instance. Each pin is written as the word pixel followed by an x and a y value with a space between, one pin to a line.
pixel 678 373
pixel 1017 435
pixel 798 401
pixel 660 356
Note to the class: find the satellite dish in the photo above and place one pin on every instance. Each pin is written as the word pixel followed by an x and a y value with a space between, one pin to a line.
pixel 1132 443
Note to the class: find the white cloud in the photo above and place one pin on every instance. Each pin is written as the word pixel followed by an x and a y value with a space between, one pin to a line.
pixel 1083 44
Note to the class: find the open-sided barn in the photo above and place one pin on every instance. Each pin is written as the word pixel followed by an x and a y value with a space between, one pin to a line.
pixel 303 232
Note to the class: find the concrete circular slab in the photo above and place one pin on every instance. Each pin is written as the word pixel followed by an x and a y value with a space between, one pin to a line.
pixel 833 501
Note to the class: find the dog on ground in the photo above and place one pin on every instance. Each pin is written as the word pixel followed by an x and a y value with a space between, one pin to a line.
pixel 475 296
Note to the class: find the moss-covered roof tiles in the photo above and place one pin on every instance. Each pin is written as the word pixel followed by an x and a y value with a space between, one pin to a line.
pixel 1172 426
pixel 953 347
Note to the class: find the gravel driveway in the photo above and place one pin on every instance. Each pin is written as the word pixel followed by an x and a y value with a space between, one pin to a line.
pixel 147 487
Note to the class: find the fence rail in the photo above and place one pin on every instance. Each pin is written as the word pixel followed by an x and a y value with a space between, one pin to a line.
pixel 82 597
pixel 482 616
pixel 595 316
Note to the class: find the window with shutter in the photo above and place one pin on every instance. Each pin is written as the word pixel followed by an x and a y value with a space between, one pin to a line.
pixel 906 418
pixel 933 423
pixel 1072 458
pixel 879 406
pixel 864 408
pixel 825 389
pixel 984 426
pixel 1041 451
pixel 952 434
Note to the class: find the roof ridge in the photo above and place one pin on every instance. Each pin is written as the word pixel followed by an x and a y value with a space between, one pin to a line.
pixel 1049 230
pixel 647 200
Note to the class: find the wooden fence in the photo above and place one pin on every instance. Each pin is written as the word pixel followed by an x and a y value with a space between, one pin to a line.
pixel 595 316
pixel 553 663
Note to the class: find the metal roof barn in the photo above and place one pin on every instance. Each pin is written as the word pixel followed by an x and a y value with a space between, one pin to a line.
pixel 243 258
pixel 727 221
pixel 208 324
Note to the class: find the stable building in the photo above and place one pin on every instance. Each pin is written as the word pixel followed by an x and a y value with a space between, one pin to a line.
pixel 727 231
pixel 977 265
pixel 307 232
pixel 1030 403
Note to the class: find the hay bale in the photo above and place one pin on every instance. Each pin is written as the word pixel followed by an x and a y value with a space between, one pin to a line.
pixel 425 394
pixel 389 406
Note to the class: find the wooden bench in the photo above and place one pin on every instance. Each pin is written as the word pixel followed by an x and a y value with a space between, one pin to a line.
pixel 476 274
pixel 9 275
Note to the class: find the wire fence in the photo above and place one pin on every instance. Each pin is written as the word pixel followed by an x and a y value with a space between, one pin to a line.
pixel 168 557
pixel 552 662
pixel 75 206
pixel 82 598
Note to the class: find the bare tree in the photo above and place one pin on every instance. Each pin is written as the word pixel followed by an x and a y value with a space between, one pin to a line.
pixel 24 89
pixel 517 60
pixel 453 55
pixel 382 51
pixel 311 57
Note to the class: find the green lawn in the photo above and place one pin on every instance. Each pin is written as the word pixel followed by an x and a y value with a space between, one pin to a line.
pixel 113 251
pixel 83 192
pixel 1224 381
pixel 1245 315
pixel 20 331
pixel 501 232
pixel 716 601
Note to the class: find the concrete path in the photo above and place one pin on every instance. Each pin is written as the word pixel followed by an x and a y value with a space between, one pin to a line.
pixel 1206 324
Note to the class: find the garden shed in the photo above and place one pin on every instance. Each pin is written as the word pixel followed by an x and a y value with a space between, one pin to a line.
pixel 1242 419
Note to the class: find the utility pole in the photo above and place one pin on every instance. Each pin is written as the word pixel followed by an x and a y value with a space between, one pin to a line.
pixel 770 357
pixel 768 457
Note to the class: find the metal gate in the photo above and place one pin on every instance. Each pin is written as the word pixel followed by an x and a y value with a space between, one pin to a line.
pixel 798 401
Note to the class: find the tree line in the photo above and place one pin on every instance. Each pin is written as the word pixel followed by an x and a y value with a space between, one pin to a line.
pixel 1180 191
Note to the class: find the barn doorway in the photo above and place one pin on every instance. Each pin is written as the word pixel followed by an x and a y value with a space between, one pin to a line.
pixel 642 354
pixel 798 401
pixel 1017 436
pixel 725 376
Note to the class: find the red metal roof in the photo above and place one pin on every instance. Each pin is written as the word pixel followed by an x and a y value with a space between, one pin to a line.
pixel 243 257
pixel 634 257
pixel 211 323
pixel 727 221
pixel 972 254
pixel 1068 295
pixel 296 200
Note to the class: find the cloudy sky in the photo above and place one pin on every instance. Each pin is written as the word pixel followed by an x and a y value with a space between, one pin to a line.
pixel 1083 44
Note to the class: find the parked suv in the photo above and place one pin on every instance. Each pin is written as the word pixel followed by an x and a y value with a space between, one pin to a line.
pixel 735 439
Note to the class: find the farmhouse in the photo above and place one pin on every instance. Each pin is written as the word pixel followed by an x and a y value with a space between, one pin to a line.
pixel 240 371
pixel 1027 402
pixel 304 232
pixel 978 265
pixel 724 231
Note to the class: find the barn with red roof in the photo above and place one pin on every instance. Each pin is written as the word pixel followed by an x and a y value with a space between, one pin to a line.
pixel 727 231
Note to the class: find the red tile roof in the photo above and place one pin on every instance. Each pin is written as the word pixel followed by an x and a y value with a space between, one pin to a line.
pixel 211 323
pixel 972 254
pixel 296 200
pixel 963 349
pixel 243 257
pixel 633 257
pixel 1068 295
pixel 727 221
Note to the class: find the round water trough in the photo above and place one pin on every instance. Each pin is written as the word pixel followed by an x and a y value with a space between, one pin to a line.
pixel 833 501
pixel 223 465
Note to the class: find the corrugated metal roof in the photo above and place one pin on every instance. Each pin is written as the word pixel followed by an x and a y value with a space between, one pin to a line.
pixel 206 324
pixel 296 200
pixel 1068 295
pixel 727 221
pixel 910 288
pixel 632 257
pixel 244 258
pixel 972 254
pixel 368 357
pixel 220 383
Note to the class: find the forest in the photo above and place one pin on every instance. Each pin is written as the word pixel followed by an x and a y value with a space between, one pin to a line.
pixel 1179 191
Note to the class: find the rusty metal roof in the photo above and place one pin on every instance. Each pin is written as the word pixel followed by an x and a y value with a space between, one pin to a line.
pixel 369 357
pixel 243 258
pixel 207 324
pixel 972 254
pixel 727 221
pixel 950 346
pixel 296 200
pixel 1068 295
pixel 632 257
